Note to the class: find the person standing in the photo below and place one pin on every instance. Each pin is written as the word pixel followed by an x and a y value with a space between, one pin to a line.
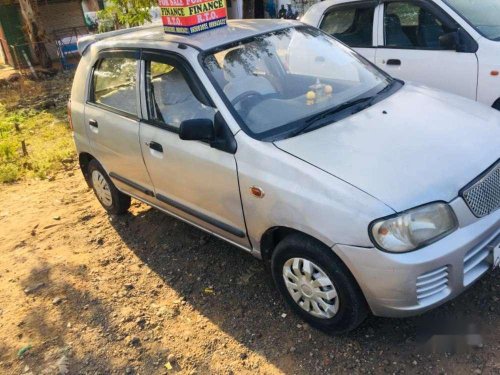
pixel 282 12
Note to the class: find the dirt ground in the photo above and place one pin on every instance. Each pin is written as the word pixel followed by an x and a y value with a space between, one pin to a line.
pixel 85 293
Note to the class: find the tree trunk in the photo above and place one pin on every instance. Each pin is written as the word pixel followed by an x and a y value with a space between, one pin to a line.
pixel 35 31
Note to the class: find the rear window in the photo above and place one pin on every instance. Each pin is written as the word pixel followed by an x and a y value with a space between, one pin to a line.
pixel 351 25
pixel 114 84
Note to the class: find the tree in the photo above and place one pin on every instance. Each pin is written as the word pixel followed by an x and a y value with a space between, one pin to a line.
pixel 125 13
pixel 35 31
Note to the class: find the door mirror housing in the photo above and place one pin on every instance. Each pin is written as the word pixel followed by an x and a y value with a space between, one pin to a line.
pixel 197 130
pixel 450 41
pixel 216 133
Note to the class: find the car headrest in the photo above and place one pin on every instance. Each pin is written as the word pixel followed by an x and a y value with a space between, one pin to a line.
pixel 426 18
pixel 392 20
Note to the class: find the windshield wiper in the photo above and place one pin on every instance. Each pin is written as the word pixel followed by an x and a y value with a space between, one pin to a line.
pixel 330 112
pixel 368 100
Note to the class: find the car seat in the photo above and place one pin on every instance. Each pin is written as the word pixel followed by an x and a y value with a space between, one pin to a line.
pixel 363 34
pixel 123 99
pixel 394 33
pixel 176 102
pixel 429 30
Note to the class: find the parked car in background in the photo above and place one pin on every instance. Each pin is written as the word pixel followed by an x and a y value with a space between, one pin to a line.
pixel 453 45
pixel 282 141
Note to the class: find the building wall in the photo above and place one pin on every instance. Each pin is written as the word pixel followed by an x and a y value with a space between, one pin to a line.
pixel 12 32
pixel 60 15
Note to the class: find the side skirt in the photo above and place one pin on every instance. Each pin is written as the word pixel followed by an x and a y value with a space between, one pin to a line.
pixel 194 225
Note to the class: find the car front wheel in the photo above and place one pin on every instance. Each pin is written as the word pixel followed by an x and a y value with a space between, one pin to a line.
pixel 317 285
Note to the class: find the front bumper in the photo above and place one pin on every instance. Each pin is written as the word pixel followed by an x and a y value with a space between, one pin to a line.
pixel 399 285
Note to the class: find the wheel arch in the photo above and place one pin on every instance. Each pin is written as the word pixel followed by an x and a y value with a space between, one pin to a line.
pixel 84 159
pixel 496 105
pixel 274 235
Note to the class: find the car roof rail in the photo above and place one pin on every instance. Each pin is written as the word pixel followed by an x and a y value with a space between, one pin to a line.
pixel 87 40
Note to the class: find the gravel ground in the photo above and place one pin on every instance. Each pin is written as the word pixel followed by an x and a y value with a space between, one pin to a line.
pixel 84 293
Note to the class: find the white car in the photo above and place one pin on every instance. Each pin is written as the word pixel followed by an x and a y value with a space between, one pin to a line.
pixel 453 45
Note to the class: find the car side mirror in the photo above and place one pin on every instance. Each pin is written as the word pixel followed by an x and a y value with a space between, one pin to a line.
pixel 197 130
pixel 216 133
pixel 450 41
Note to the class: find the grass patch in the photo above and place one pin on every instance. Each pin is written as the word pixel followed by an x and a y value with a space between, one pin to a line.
pixel 48 143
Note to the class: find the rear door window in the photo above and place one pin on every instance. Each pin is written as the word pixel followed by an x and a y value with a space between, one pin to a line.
pixel 114 84
pixel 352 25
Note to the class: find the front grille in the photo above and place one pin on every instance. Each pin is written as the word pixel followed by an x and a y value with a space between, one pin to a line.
pixel 433 286
pixel 483 197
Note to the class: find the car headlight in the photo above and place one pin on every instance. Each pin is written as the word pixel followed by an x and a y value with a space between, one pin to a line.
pixel 415 228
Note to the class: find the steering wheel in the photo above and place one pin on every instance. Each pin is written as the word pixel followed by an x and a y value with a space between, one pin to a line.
pixel 245 95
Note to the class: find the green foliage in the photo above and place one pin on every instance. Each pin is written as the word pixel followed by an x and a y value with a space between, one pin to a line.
pixel 125 13
pixel 48 141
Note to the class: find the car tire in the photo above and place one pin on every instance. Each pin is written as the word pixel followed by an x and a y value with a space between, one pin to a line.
pixel 113 201
pixel 299 254
pixel 496 105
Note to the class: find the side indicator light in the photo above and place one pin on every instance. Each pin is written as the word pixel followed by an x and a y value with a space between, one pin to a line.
pixel 257 192
pixel 495 73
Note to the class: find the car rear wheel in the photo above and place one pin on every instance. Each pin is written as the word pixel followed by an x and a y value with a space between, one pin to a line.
pixel 496 105
pixel 113 201
pixel 317 285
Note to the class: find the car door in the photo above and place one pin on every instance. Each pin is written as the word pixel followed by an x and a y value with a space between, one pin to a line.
pixel 353 24
pixel 191 179
pixel 411 47
pixel 112 116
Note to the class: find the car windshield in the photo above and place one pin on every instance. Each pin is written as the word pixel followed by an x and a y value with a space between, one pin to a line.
pixel 279 83
pixel 484 15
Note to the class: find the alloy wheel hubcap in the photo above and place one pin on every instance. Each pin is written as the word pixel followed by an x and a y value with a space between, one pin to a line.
pixel 311 288
pixel 101 188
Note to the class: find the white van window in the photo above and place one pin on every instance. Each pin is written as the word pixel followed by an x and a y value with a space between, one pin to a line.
pixel 411 26
pixel 484 15
pixel 114 84
pixel 351 25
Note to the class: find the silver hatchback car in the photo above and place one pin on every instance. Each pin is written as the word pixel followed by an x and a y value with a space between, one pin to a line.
pixel 363 193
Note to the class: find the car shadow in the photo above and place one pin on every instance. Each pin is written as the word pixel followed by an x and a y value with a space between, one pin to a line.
pixel 244 303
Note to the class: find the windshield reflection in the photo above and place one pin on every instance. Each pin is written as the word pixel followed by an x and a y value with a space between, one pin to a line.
pixel 484 15
pixel 277 81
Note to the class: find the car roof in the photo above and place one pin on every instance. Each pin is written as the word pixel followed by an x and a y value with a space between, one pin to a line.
pixel 234 31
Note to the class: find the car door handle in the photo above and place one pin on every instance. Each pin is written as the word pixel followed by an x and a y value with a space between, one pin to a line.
pixel 155 146
pixel 394 62
pixel 93 123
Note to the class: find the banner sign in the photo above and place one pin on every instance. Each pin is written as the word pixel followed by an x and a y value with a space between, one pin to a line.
pixel 192 16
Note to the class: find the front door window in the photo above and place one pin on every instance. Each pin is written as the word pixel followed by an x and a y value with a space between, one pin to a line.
pixel 411 26
pixel 171 100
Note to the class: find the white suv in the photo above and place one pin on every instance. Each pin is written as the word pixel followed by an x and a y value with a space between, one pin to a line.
pixel 453 45
pixel 279 139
